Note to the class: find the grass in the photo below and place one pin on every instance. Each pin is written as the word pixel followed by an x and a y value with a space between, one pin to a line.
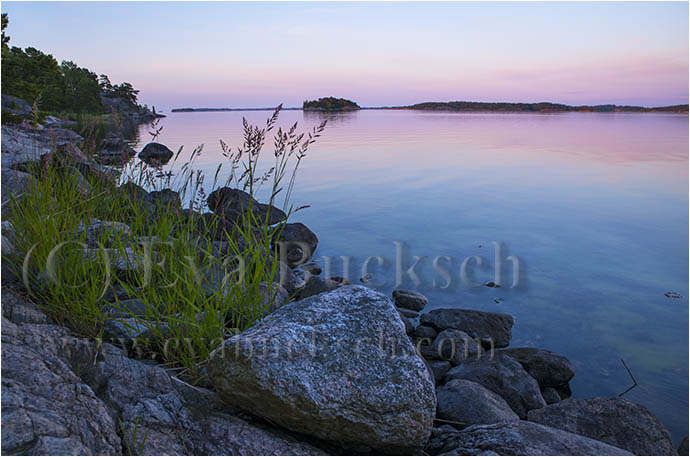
pixel 195 295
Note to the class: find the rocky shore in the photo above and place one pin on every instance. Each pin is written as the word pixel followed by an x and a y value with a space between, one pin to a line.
pixel 332 369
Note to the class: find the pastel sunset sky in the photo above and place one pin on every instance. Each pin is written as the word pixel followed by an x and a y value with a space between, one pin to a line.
pixel 261 54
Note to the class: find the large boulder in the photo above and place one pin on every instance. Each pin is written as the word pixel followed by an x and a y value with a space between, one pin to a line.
pixel 504 376
pixel 232 203
pixel 491 328
pixel 548 368
pixel 337 366
pixel 515 438
pixel 615 421
pixel 172 418
pixel 468 403
pixel 297 243
pixel 46 408
pixel 156 153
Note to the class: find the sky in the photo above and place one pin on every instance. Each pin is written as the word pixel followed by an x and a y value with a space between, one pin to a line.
pixel 195 54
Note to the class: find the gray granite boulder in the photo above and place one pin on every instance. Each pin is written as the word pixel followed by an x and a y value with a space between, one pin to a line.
pixel 46 408
pixel 469 403
pixel 337 366
pixel 615 421
pixel 491 328
pixel 515 438
pixel 177 419
pixel 504 376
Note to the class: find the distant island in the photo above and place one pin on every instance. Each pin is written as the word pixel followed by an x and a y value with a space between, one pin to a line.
pixel 332 104
pixel 543 107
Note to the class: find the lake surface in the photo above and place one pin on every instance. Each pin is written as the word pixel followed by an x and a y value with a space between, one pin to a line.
pixel 593 207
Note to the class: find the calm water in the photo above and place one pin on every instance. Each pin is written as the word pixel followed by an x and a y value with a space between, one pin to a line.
pixel 594 206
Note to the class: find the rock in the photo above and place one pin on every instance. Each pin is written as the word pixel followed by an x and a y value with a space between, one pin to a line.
pixel 455 346
pixel 550 395
pixel 156 153
pixel 311 268
pixel 289 280
pixel 26 146
pixel 339 368
pixel 407 324
pixel 548 368
pixel 438 368
pixel 126 308
pixel 615 421
pixel 470 403
pixel 73 173
pixel 496 327
pixel 272 298
pixel 124 329
pixel 297 243
pixel 175 418
pixel 515 438
pixel 106 232
pixel 683 447
pixel 14 185
pixel 15 105
pixel 46 408
pixel 316 285
pixel 408 313
pixel 165 201
pixel 210 226
pixel 9 239
pixel 564 391
pixel 409 299
pixel 422 332
pixel 115 149
pixel 123 260
pixel 20 311
pixel 232 203
pixel 491 284
pixel 504 376
pixel 134 192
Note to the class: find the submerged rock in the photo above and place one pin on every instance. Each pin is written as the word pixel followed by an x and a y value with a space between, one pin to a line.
pixel 615 421
pixel 515 438
pixel 489 327
pixel 337 366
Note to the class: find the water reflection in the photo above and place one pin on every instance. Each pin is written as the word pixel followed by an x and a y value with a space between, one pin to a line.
pixel 596 205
